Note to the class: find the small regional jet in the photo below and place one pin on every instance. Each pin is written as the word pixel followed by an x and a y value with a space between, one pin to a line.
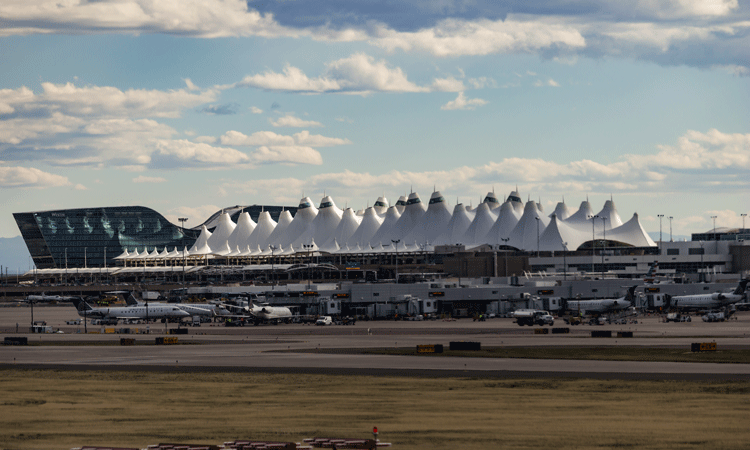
pixel 603 306
pixel 709 301
pixel 163 311
pixel 194 309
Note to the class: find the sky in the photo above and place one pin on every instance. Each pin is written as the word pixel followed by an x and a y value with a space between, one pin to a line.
pixel 190 106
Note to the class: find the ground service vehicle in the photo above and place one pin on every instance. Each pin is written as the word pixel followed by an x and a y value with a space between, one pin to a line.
pixel 324 320
pixel 532 317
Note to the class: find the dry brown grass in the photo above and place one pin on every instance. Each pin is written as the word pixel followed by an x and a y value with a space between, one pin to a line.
pixel 63 409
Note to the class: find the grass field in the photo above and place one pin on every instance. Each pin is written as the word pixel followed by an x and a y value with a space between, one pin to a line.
pixel 61 409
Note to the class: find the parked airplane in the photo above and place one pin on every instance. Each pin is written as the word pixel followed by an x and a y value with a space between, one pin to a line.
pixel 272 314
pixel 129 312
pixel 603 306
pixel 709 301
pixel 261 313
pixel 194 309
pixel 48 298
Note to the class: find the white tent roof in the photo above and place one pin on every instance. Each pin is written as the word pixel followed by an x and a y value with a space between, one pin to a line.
pixel 383 233
pixel 401 204
pixel 583 214
pixel 609 213
pixel 562 211
pixel 381 205
pixel 411 216
pixel 243 230
pixel 327 220
pixel 491 200
pixel 433 223
pixel 631 232
pixel 346 228
pixel 300 230
pixel 480 226
pixel 266 227
pixel 221 233
pixel 530 227
pixel 367 228
pixel 457 226
pixel 507 220
pixel 201 244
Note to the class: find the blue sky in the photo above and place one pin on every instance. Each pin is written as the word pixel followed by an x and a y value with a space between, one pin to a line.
pixel 189 106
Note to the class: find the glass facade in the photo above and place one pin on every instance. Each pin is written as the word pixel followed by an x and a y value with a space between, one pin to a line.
pixel 86 237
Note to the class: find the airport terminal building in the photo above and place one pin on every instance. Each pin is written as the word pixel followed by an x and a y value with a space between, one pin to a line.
pixel 491 240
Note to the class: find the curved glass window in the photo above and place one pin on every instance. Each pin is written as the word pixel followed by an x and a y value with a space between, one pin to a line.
pixel 380 204
pixel 489 199
pixel 436 200
pixel 400 203
pixel 413 201
pixel 326 205
pixel 303 205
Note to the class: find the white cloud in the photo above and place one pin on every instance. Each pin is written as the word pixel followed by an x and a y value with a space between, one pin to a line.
pixel 200 18
pixel 145 179
pixel 453 37
pixel 449 84
pixel 182 153
pixel 258 138
pixel 462 103
pixel 317 140
pixel 256 110
pixel 29 177
pixel 549 82
pixel 296 122
pixel 357 74
pixel 293 154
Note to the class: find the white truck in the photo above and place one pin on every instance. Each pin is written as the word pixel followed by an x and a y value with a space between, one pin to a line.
pixel 533 317
pixel 324 320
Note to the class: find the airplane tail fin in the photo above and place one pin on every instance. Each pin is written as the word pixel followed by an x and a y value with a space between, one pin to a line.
pixel 81 304
pixel 630 296
pixel 741 288
pixel 130 300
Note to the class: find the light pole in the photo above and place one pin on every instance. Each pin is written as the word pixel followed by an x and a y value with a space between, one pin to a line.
pixel 604 244
pixel 593 242
pixel 505 244
pixel 716 245
pixel 395 246
pixel 273 272
pixel 670 228
pixel 308 248
pixel 184 256
pixel 660 216
pixel 565 262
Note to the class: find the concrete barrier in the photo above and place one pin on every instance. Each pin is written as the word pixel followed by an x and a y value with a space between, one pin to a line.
pixel 601 334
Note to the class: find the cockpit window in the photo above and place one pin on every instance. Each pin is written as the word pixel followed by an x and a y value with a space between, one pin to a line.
pixel 325 204
pixel 437 200
pixel 413 201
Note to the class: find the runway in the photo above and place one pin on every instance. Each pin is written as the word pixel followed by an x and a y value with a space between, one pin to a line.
pixel 272 348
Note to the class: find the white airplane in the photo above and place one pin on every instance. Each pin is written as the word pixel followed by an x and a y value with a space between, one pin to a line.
pixel 194 309
pixel 261 313
pixel 709 301
pixel 272 314
pixel 605 305
pixel 48 298
pixel 163 311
